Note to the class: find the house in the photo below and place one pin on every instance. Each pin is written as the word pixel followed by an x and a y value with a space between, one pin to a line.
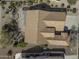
pixel 45 25
pixel 38 51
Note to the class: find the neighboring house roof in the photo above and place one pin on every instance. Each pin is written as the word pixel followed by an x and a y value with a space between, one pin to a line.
pixel 44 6
pixel 40 49
pixel 36 49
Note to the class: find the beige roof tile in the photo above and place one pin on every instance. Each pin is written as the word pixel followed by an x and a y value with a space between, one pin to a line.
pixel 56 16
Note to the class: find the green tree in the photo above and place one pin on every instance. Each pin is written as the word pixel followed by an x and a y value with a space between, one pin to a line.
pixel 9 53
pixel 48 1
pixel 41 0
pixel 68 6
pixel 72 2
pixel 62 5
pixel 3 3
pixel 74 10
pixel 30 2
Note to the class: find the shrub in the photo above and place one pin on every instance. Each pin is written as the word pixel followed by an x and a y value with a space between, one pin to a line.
pixel 56 6
pixel 52 5
pixel 74 10
pixel 21 45
pixel 9 53
pixel 68 6
pixel 72 2
pixel 62 5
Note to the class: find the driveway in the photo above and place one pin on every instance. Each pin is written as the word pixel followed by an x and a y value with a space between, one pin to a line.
pixel 4 51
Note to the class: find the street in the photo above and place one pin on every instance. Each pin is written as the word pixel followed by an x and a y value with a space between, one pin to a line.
pixel 45 57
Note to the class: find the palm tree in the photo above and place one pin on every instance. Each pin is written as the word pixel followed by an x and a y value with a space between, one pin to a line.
pixel 41 1
pixel 56 6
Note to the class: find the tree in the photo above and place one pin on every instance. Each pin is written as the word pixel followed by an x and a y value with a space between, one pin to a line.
pixel 12 33
pixel 62 5
pixel 9 53
pixel 52 5
pixel 48 1
pixel 68 6
pixel 73 28
pixel 74 10
pixel 7 11
pixel 41 1
pixel 72 2
pixel 73 35
pixel 56 6
pixel 3 4
pixel 46 45
pixel 30 2
pixel 18 3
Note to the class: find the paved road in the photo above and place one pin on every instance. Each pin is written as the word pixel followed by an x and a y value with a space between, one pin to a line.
pixel 45 58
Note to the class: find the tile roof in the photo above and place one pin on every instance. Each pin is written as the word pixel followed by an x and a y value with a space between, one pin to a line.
pixel 56 16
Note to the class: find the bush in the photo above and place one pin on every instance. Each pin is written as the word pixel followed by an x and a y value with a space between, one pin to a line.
pixel 30 2
pixel 48 1
pixel 3 2
pixel 68 6
pixel 52 5
pixel 21 45
pixel 74 10
pixel 9 53
pixel 62 5
pixel 72 2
